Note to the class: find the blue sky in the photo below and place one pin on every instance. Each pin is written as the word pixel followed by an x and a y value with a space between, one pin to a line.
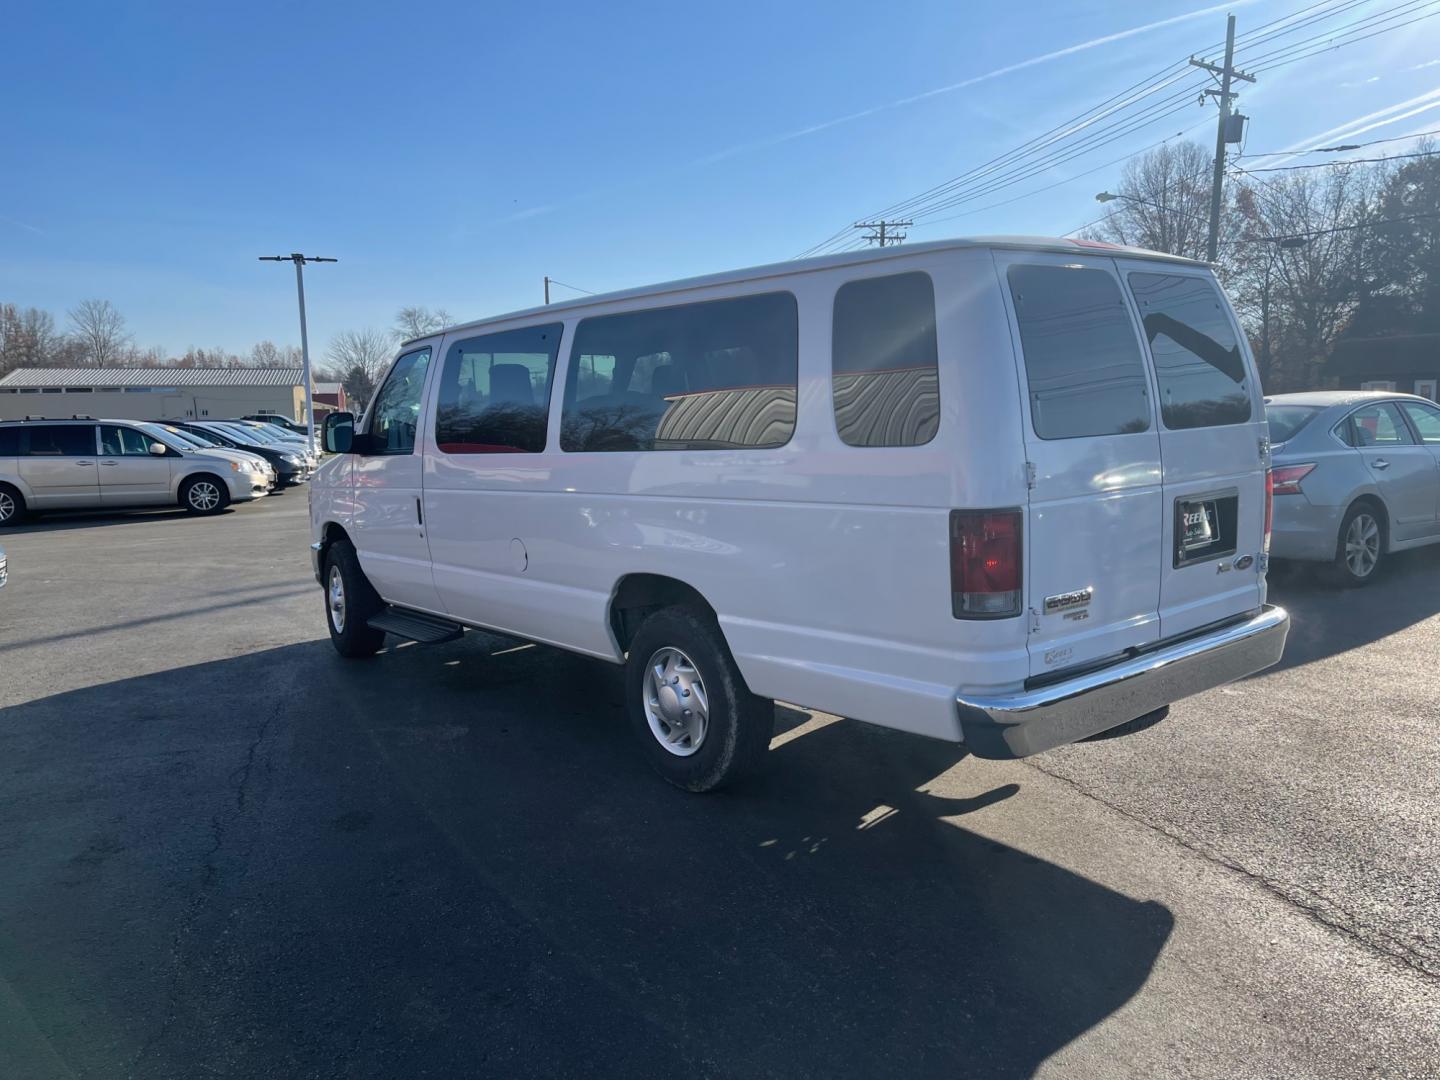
pixel 452 154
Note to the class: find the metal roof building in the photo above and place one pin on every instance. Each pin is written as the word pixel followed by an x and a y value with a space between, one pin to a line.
pixel 153 393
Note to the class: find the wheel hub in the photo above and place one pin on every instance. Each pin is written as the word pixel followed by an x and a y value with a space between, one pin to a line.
pixel 336 599
pixel 1362 545
pixel 676 705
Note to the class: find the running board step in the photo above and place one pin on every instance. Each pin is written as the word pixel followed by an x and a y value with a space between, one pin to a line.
pixel 415 626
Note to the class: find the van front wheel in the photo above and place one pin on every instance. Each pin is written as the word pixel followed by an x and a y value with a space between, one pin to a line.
pixel 699 724
pixel 350 601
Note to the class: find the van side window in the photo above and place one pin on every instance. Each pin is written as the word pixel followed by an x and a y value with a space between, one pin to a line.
pixel 396 412
pixel 1198 363
pixel 495 392
pixel 122 441
pixel 62 440
pixel 885 362
pixel 9 442
pixel 1082 358
pixel 719 375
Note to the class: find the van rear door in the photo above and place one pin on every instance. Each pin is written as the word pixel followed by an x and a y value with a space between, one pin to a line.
pixel 1213 445
pixel 1093 537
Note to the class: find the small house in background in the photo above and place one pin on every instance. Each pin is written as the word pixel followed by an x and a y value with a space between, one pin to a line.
pixel 331 394
pixel 153 393
pixel 1406 363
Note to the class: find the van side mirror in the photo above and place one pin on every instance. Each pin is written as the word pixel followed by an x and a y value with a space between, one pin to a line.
pixel 158 449
pixel 339 432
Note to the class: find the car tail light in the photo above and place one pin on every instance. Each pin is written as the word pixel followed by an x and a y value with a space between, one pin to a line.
pixel 985 563
pixel 1269 511
pixel 1285 479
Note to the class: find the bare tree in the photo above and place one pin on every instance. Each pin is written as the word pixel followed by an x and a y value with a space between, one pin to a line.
pixel 266 354
pixel 358 358
pixel 27 338
pixel 414 322
pixel 1163 202
pixel 100 329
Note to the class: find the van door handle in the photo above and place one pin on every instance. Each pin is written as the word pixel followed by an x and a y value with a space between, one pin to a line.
pixel 109 464
pixel 1380 463
pixel 84 463
pixel 419 517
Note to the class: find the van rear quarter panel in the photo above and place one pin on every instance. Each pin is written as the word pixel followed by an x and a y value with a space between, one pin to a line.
pixel 827 565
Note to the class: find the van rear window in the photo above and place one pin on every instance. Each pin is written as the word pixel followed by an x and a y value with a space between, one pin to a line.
pixel 719 375
pixel 1198 365
pixel 1082 358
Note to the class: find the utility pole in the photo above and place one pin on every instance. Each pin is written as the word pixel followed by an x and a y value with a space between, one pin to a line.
pixel 547 290
pixel 300 261
pixel 1225 74
pixel 882 234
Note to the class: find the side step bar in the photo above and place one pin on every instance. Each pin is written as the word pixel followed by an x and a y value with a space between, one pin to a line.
pixel 416 626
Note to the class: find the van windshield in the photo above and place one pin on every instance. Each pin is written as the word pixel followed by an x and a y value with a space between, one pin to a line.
pixel 1286 421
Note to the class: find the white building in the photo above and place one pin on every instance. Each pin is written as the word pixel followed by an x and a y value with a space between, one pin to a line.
pixel 152 393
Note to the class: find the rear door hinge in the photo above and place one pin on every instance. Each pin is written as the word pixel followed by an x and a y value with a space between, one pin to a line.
pixel 1264 444
pixel 1030 475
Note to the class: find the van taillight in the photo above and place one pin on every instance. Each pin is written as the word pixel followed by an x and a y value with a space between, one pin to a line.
pixel 985 561
pixel 1269 508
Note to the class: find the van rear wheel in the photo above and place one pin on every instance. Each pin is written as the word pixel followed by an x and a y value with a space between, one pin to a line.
pixel 12 506
pixel 700 726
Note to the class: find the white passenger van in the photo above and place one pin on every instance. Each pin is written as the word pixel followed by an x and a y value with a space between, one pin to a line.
pixel 1005 492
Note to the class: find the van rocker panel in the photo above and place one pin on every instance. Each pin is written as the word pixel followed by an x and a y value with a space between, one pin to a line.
pixel 1025 723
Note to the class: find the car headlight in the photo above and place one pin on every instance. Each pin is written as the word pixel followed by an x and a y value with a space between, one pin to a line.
pixel 291 459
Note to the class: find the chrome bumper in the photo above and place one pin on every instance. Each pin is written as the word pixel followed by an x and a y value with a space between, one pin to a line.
pixel 1027 722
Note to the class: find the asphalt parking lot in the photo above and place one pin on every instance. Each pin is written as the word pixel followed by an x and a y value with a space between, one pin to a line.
pixel 224 851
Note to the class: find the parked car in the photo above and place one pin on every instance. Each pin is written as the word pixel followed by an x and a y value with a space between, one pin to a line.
pixel 191 442
pixel 289 464
pixel 286 425
pixel 1009 493
pixel 1356 477
pixel 84 463
pixel 270 435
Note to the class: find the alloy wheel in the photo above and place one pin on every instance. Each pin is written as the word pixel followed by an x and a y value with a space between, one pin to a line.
pixel 1362 545
pixel 204 495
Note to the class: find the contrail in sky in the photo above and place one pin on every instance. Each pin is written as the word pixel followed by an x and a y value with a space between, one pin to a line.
pixel 1402 110
pixel 974 80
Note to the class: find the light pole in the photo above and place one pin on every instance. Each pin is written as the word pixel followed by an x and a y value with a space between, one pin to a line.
pixel 300 261
pixel 1106 196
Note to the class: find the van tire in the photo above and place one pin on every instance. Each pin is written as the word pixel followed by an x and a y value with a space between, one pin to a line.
pixel 353 637
pixel 12 506
pixel 204 495
pixel 1367 521
pixel 738 724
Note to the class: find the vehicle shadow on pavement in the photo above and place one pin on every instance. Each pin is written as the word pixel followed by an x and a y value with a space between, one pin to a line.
pixel 1326 620
pixel 65 520
pixel 451 861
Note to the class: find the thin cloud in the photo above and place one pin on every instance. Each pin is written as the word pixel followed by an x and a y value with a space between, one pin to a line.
pixel 1360 82
pixel 22 225
pixel 1391 114
pixel 975 80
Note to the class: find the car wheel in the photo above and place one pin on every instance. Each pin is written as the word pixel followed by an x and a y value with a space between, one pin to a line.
pixel 204 495
pixel 1361 546
pixel 12 506
pixel 699 724
pixel 350 602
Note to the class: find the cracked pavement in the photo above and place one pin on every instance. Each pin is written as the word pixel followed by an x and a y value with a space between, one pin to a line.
pixel 227 852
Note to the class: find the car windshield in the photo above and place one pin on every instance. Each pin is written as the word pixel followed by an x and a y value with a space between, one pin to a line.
pixel 194 436
pixel 237 433
pixel 260 432
pixel 1287 420
pixel 173 437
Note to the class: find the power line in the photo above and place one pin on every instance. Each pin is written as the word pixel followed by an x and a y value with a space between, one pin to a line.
pixel 1348 161
pixel 1346 146
pixel 880 234
pixel 1337 229
pixel 552 281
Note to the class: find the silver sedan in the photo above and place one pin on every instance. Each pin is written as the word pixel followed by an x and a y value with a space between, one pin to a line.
pixel 1356 476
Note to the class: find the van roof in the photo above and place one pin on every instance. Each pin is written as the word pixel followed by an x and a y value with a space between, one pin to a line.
pixel 1060 245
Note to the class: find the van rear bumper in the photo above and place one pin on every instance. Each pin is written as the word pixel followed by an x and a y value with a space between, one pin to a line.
pixel 1027 722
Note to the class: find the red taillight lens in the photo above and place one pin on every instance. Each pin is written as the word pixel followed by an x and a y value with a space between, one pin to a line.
pixel 985 562
pixel 1285 479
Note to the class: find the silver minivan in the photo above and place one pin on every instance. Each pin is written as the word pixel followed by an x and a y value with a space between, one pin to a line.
pixel 83 463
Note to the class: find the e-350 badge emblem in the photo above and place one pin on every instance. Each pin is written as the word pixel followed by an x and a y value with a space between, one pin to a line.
pixel 1068 601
